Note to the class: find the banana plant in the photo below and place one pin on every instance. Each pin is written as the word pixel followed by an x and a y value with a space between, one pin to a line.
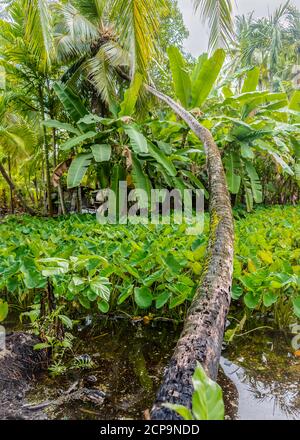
pixel 192 87
pixel 253 129
pixel 118 147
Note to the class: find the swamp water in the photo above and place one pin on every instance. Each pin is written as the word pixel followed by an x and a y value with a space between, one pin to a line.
pixel 259 373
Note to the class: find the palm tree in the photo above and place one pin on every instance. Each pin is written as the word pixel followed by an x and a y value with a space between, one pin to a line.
pixel 271 43
pixel 27 52
pixel 16 142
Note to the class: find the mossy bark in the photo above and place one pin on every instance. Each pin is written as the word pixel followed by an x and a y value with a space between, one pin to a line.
pixel 202 336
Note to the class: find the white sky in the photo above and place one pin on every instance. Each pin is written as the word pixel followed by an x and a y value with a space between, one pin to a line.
pixel 197 41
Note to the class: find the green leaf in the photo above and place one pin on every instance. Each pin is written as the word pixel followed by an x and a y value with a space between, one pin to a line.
pixel 141 181
pixel 131 96
pixel 295 101
pixel 66 321
pixel 172 263
pixel 84 302
pixel 207 77
pixel 54 266
pixel 181 78
pixel 251 80
pixel 236 292
pixel 41 346
pixel 184 412
pixel 137 139
pixel 162 159
pixel 296 305
pixel 246 151
pixel 101 152
pixel 71 102
pixel 255 182
pixel 207 400
pixel 162 299
pixel 101 286
pixel 78 168
pixel 143 297
pixel 74 141
pixel 52 123
pixel 103 306
pixel 232 164
pixel 269 298
pixel 3 310
pixel 177 300
pixel 251 300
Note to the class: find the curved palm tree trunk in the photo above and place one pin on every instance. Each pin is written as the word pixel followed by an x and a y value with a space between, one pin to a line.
pixel 202 336
pixel 13 189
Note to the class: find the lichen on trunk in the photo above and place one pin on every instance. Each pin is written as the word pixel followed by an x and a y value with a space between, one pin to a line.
pixel 202 336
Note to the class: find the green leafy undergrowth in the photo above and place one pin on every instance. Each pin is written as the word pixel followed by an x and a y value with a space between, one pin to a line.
pixel 146 269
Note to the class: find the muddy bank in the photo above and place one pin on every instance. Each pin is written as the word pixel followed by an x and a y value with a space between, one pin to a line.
pixel 20 366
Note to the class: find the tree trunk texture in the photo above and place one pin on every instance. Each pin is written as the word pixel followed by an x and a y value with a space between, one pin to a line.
pixel 14 189
pixel 202 336
pixel 46 156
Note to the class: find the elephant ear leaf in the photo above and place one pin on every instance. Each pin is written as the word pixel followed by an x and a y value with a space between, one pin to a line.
pixel 181 78
pixel 78 169
pixel 207 76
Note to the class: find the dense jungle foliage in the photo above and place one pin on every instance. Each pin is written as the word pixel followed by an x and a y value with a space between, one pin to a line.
pixel 98 92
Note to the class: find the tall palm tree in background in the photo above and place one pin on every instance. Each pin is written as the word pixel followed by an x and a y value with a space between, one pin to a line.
pixel 272 43
pixel 17 141
pixel 27 56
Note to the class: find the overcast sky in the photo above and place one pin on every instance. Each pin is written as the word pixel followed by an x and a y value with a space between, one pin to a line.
pixel 197 41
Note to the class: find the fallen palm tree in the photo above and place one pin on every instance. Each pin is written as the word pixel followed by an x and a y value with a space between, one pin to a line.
pixel 202 336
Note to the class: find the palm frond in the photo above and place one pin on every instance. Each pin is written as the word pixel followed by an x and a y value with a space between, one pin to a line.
pixel 38 30
pixel 138 23
pixel 218 14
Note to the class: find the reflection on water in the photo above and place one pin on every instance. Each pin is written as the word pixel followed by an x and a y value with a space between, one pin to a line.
pixel 261 379
pixel 266 376
pixel 128 362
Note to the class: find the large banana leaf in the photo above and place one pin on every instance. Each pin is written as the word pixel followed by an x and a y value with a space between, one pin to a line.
pixel 131 96
pixel 140 180
pixel 78 169
pixel 74 141
pixel 101 152
pixel 232 163
pixel 197 69
pixel 251 80
pixel 256 187
pixel 207 77
pixel 52 123
pixel 295 101
pixel 71 102
pixel 181 78
pixel 161 158
pixel 137 139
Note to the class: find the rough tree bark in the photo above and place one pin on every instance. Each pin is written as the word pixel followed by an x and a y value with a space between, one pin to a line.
pixel 14 189
pixel 202 336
